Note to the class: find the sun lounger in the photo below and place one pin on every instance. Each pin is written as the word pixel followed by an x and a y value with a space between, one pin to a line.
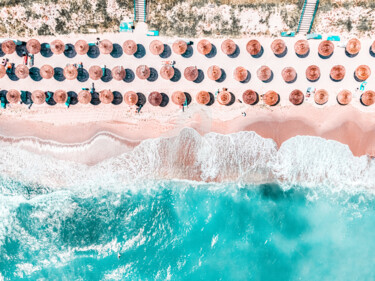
pixel 313 36
pixel 288 34
pixel 3 102
pixel 333 38
pixel 67 103
pixel 49 96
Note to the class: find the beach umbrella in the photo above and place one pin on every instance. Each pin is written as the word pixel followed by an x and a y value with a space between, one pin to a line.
pixel 57 47
pixel 321 96
pixel 118 73
pixel 191 73
pixel 271 98
pixel 81 47
pixel 70 72
pixel 38 97
pixel 178 97
pixel 84 97
pixel 155 98
pixel 296 97
pixel 313 73
pixel 156 47
pixel 105 46
pixel 2 71
pixel 250 97
pixel 264 73
pixel 353 46
pixel 22 71
pixel 368 98
pixel 13 96
pixel 214 72
pixel 224 97
pixel 240 74
pixel 47 71
pixel 204 47
pixel 326 48
pixel 179 47
pixel 60 96
pixel 301 47
pixel 131 98
pixel 253 47
pixel 289 74
pixel 33 46
pixel 8 47
pixel 95 72
pixel 167 72
pixel 362 72
pixel 143 72
pixel 106 96
pixel 228 47
pixel 344 97
pixel 337 72
pixel 278 47
pixel 203 97
pixel 129 47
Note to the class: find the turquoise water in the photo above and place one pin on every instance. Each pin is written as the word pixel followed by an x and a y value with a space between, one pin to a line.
pixel 173 230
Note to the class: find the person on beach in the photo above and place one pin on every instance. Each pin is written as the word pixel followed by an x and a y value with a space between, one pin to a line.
pixel 243 114
pixel 97 41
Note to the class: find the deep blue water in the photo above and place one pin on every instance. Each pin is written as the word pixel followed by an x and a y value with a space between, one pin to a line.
pixel 185 231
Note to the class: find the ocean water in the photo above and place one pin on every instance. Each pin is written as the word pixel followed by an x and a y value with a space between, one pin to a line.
pixel 199 208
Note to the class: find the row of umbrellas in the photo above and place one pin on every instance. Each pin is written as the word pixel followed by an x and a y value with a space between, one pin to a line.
pixel 204 47
pixel 191 73
pixel 155 98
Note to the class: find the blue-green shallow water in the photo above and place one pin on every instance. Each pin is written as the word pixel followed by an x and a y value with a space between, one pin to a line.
pixel 186 231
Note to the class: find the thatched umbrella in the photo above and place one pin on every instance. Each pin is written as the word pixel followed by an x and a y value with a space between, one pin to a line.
pixel 84 97
pixel 250 97
pixel 8 47
pixel 70 72
pixel 13 96
pixel 81 47
pixel 278 47
pixel 156 47
pixel 362 72
pixel 240 74
pixel 214 72
pixel 129 47
pixel 204 47
pixel 271 98
pixel 167 72
pixel 106 96
pixel 301 47
pixel 337 72
pixel 203 97
pixel 264 73
pixel 155 98
pixel 57 47
pixel 60 96
pixel 296 97
pixel 178 97
pixel 179 47
pixel 131 98
pixel 191 73
pixel 118 73
pixel 33 46
pixel 289 74
pixel 368 98
pixel 253 47
pixel 224 97
pixel 326 48
pixel 344 97
pixel 47 71
pixel 3 71
pixel 95 72
pixel 105 47
pixel 22 71
pixel 321 96
pixel 228 47
pixel 143 72
pixel 313 73
pixel 38 97
pixel 353 46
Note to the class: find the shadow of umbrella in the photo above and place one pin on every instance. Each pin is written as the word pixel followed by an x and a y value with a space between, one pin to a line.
pixel 107 75
pixel 45 51
pixel 70 51
pixel 165 100
pixel 129 75
pixel 188 98
pixel 167 52
pixel 83 75
pixel 21 49
pixel 232 99
pixel 212 99
pixel 117 51
pixel 236 53
pixel 213 52
pixel 51 101
pixel 189 52
pixel 200 76
pixel 177 75
pixel 35 74
pixel 95 98
pixel 1 51
pixel 153 75
pixel 222 77
pixel 26 97
pixel 73 97
pixel 12 76
pixel 141 99
pixel 117 98
pixel 247 78
pixel 93 52
pixel 141 51
pixel 59 74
